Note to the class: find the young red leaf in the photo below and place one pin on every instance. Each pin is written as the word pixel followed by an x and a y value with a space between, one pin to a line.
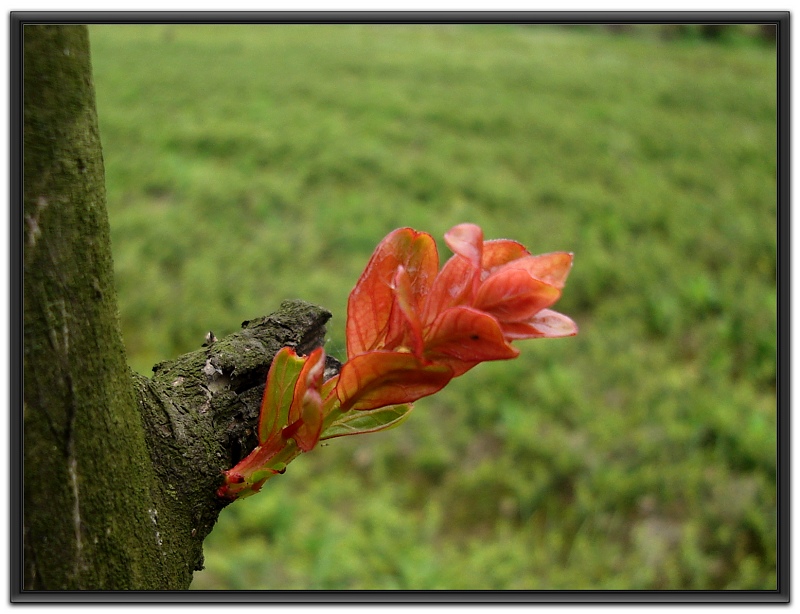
pixel 466 240
pixel 546 323
pixel 247 477
pixel 380 378
pixel 512 295
pixel 498 252
pixel 550 268
pixel 405 329
pixel 305 414
pixel 467 335
pixel 455 285
pixel 308 380
pixel 369 306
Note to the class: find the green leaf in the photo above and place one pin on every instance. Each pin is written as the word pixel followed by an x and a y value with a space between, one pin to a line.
pixel 356 422
pixel 281 380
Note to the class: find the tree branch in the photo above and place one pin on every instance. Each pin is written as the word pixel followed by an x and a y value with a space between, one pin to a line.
pixel 201 410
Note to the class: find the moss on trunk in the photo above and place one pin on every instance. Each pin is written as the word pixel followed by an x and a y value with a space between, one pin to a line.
pixel 87 476
pixel 120 471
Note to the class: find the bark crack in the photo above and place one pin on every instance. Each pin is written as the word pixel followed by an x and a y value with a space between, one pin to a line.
pixel 72 468
pixel 60 349
pixel 32 221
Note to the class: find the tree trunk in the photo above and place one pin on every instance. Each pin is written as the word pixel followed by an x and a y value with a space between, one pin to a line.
pixel 120 471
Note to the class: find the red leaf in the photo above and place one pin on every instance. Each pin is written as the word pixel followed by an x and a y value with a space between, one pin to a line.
pixel 512 295
pixel 405 329
pixel 309 379
pixel 247 477
pixel 306 431
pixel 466 240
pixel 546 323
pixel 369 307
pixel 550 268
pixel 455 285
pixel 498 252
pixel 469 335
pixel 277 399
pixel 305 414
pixel 380 378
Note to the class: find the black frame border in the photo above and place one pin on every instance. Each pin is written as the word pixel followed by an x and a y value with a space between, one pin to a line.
pixel 781 19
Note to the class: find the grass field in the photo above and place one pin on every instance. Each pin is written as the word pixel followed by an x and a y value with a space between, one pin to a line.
pixel 250 164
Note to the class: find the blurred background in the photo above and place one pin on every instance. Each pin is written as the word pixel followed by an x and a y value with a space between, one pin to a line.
pixel 251 164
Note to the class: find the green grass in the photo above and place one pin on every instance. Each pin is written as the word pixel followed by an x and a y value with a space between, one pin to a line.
pixel 250 164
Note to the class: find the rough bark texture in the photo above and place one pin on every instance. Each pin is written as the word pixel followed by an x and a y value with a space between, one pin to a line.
pixel 201 413
pixel 120 471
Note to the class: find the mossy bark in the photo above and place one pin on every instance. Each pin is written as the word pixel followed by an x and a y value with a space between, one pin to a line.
pixel 200 415
pixel 120 471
